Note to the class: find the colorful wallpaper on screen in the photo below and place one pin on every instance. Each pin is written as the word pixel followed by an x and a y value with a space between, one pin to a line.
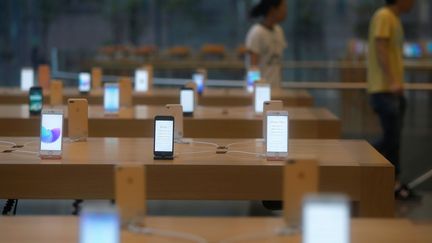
pixel 50 136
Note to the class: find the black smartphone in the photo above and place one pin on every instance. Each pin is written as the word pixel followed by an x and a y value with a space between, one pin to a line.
pixel 187 100
pixel 163 142
pixel 35 100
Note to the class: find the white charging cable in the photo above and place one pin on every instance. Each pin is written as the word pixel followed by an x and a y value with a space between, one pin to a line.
pixel 135 228
pixel 8 143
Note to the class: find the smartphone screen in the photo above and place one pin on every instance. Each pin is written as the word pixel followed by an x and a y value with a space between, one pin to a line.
pixel 27 79
pixel 429 47
pixel 112 98
pixel 84 82
pixel 99 225
pixel 141 80
pixel 262 94
pixel 187 100
pixel 164 135
pixel 326 220
pixel 51 132
pixel 412 50
pixel 277 133
pixel 251 77
pixel 35 100
pixel 198 78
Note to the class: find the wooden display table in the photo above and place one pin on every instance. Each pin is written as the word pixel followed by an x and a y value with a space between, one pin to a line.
pixel 352 167
pixel 159 96
pixel 215 122
pixel 65 230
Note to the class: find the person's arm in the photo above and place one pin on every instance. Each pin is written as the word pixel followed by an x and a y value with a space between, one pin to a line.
pixel 253 59
pixel 382 48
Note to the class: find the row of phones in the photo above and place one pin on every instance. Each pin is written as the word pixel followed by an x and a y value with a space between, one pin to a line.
pixel 326 219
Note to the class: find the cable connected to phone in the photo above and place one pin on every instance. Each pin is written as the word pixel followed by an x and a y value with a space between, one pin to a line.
pixel 195 152
pixel 26 152
pixel 245 152
pixel 239 143
pixel 205 143
pixel 9 143
pixel 138 229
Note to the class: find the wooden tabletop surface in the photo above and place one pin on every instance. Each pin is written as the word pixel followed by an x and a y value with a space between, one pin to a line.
pixel 352 167
pixel 66 230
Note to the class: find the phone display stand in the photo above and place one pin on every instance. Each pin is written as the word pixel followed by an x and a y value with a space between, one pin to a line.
pixel 163 157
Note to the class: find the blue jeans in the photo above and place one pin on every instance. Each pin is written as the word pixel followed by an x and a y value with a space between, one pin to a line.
pixel 390 109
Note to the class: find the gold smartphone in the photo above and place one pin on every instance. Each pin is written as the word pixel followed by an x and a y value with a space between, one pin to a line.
pixel 56 93
pixel 78 119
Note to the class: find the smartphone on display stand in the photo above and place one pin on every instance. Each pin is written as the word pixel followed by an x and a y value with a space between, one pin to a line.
pixel 111 98
pixel 141 80
pixel 176 111
pixel 187 101
pixel 271 105
pixel 262 93
pixel 199 79
pixel 84 82
pixel 35 100
pixel 51 134
pixel 253 75
pixel 326 219
pixel 27 79
pixel 277 135
pixel 78 119
pixel 163 146
pixel 99 224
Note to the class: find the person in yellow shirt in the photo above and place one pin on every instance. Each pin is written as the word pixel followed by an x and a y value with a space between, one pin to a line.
pixel 386 81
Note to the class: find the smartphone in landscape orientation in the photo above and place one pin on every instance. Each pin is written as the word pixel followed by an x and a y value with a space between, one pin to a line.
pixel 326 219
pixel 163 147
pixel 27 79
pixel 277 135
pixel 78 119
pixel 99 224
pixel 262 93
pixel 111 98
pixel 84 82
pixel 51 135
pixel 35 100
pixel 187 101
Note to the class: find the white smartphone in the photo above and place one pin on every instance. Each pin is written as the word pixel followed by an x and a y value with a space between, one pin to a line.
pixel 51 136
pixel 99 224
pixel 176 111
pixel 84 82
pixel 141 80
pixel 163 147
pixel 253 75
pixel 271 105
pixel 277 135
pixel 78 119
pixel 27 79
pixel 199 79
pixel 187 101
pixel 111 98
pixel 262 93
pixel 326 219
